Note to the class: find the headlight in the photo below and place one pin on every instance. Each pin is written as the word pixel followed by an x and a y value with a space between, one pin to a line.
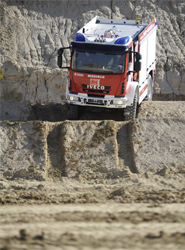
pixel 118 102
pixel 73 98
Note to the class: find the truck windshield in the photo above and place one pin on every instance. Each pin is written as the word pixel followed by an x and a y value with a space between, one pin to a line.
pixel 89 62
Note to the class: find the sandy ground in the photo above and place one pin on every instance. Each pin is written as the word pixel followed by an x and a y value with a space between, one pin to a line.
pixel 144 210
pixel 94 226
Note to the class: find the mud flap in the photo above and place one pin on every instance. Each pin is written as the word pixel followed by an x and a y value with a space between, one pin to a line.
pixel 131 93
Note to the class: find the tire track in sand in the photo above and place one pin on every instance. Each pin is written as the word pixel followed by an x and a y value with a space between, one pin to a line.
pixel 125 146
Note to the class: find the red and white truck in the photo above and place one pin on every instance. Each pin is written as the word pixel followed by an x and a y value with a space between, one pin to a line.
pixel 112 65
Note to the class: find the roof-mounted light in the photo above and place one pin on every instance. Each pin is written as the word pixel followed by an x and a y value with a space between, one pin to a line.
pixel 123 40
pixel 80 38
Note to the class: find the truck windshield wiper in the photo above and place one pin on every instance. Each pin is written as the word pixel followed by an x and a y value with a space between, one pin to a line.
pixel 93 65
pixel 85 70
pixel 110 70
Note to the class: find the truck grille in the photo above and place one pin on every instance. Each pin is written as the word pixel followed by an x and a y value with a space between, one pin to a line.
pixel 104 91
pixel 90 95
pixel 123 88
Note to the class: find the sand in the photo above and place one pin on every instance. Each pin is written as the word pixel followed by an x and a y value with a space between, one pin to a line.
pixel 102 205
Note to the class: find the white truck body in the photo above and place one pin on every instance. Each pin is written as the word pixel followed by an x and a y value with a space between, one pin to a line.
pixel 147 42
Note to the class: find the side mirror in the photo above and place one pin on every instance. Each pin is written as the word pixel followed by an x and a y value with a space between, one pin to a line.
pixel 138 57
pixel 59 62
pixel 138 62
pixel 60 51
pixel 137 66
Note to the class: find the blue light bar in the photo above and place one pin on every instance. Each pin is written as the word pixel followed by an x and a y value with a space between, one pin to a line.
pixel 122 40
pixel 80 38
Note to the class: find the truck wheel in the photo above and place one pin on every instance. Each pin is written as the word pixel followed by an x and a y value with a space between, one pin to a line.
pixel 130 112
pixel 149 89
pixel 72 112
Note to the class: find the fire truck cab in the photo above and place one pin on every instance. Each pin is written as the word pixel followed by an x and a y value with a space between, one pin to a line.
pixel 112 65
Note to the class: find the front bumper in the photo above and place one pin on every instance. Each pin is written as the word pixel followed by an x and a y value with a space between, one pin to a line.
pixel 106 102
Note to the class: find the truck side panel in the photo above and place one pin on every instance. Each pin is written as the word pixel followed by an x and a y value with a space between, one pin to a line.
pixel 143 72
pixel 151 54
pixel 148 51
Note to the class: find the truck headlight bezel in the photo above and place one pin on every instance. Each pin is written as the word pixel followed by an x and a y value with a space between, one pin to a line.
pixel 119 102
pixel 73 98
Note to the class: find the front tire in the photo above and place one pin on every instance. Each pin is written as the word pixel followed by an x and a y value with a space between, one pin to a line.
pixel 72 112
pixel 130 112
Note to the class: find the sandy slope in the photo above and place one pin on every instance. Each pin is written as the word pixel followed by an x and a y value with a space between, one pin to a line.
pixel 33 31
pixel 112 210
pixel 74 185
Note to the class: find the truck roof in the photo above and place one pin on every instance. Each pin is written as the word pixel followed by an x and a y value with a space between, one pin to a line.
pixel 111 29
